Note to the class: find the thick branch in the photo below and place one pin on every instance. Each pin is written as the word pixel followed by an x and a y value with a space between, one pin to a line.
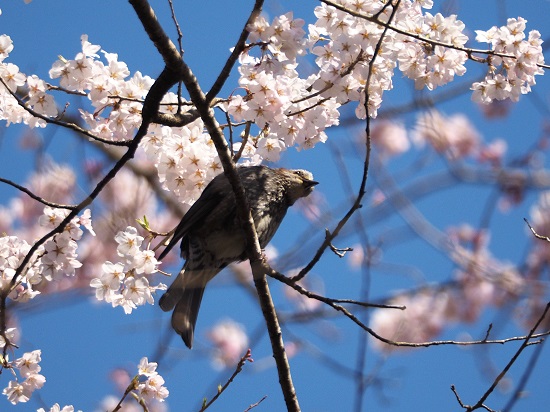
pixel 253 250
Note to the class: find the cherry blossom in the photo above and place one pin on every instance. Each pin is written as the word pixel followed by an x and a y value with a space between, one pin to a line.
pixel 453 135
pixel 153 387
pixel 230 341
pixel 354 57
pixel 513 69
pixel 28 367
pixel 124 283
pixel 57 408
pixel 390 138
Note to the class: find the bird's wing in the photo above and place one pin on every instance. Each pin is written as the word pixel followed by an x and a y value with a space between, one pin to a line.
pixel 212 195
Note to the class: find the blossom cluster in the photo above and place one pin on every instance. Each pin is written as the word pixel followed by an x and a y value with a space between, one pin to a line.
pixel 355 54
pixel 56 258
pixel 230 341
pixel 357 47
pixel 480 280
pixel 37 99
pixel 125 283
pixel 20 389
pixel 277 99
pixel 116 100
pixel 147 388
pixel 153 387
pixel 185 157
pixel 12 252
pixel 57 408
pixel 59 257
pixel 513 67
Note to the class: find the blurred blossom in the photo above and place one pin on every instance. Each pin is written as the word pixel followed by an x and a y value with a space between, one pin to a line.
pixel 493 153
pixel 482 279
pixel 453 135
pixel 357 256
pixel 390 138
pixel 377 197
pixel 422 320
pixel 540 214
pixel 30 140
pixel 128 195
pixel 121 379
pixel 496 109
pixel 312 206
pixel 292 348
pixel 230 341
pixel 513 185
pixel 55 182
pixel 109 403
pixel 466 234
pixel 539 253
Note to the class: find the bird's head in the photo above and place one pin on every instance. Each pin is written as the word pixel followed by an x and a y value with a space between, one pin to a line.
pixel 299 183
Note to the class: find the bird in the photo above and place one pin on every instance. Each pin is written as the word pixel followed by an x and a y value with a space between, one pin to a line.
pixel 212 237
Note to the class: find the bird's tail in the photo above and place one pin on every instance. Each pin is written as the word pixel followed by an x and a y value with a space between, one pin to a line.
pixel 185 296
pixel 174 293
pixel 185 314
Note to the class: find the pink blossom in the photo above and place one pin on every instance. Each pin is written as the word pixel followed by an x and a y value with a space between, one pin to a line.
pixel 390 138
pixel 230 341
pixel 453 135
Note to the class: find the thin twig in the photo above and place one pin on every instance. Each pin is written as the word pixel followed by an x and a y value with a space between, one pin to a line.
pixel 333 303
pixel 526 342
pixel 71 126
pixel 238 369
pixel 255 404
pixel 529 369
pixel 387 25
pixel 362 187
pixel 535 233
pixel 129 389
pixel 36 197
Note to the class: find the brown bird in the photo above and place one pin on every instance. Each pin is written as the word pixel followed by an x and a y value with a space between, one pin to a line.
pixel 212 237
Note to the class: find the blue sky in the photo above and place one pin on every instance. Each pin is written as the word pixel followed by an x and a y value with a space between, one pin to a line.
pixel 81 341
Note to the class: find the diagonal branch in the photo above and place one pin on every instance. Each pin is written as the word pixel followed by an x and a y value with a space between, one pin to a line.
pixel 36 197
pixel 361 193
pixel 237 50
pixel 253 251
pixel 527 341
pixel 150 106
pixel 67 125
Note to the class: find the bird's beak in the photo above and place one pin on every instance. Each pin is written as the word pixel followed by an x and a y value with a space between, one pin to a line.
pixel 310 183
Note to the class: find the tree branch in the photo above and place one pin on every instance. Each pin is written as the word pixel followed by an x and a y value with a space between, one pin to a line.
pixel 526 342
pixel 253 250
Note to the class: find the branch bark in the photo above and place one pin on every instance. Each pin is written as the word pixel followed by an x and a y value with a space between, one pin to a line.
pixel 177 66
